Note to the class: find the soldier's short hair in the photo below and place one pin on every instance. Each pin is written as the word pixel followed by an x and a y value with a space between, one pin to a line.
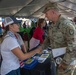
pixel 50 5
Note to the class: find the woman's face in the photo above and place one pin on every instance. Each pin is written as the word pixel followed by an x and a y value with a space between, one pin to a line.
pixel 15 27
pixel 43 24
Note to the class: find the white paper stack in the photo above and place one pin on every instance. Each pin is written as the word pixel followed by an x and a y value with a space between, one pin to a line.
pixel 58 51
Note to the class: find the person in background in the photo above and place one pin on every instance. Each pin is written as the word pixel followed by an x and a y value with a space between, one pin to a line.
pixel 11 48
pixel 0 56
pixel 38 35
pixel 32 31
pixel 24 25
pixel 61 33
pixel 0 30
pixel 33 26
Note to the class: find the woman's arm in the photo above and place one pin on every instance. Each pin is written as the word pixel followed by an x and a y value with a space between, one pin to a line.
pixel 23 56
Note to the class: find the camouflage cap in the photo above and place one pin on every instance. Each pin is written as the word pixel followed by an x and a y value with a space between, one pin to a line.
pixel 49 6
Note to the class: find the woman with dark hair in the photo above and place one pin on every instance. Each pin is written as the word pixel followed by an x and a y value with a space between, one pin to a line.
pixel 11 48
pixel 38 35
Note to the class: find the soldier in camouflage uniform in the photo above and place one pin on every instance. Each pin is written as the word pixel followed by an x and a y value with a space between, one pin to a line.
pixel 60 34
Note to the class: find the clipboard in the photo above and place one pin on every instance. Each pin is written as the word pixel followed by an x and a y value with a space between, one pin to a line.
pixel 58 52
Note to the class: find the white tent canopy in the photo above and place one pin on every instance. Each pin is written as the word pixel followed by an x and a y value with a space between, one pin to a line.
pixel 34 8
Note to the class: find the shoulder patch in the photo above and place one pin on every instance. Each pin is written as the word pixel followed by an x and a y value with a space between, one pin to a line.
pixel 71 32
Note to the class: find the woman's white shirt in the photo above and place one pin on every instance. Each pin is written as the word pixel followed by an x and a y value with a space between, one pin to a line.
pixel 10 61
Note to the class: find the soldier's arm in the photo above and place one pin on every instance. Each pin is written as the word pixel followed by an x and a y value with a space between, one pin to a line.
pixel 70 37
pixel 46 43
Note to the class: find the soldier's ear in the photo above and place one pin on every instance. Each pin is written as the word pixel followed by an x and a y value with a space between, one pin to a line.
pixel 53 11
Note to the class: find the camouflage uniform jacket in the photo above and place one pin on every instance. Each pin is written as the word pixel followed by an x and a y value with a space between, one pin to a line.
pixel 61 34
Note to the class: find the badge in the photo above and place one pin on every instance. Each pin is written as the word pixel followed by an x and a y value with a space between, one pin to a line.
pixel 58 60
pixel 71 32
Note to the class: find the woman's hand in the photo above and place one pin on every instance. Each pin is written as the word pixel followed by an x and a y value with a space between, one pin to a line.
pixel 39 50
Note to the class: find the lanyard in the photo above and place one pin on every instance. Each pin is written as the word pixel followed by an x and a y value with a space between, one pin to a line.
pixel 9 33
